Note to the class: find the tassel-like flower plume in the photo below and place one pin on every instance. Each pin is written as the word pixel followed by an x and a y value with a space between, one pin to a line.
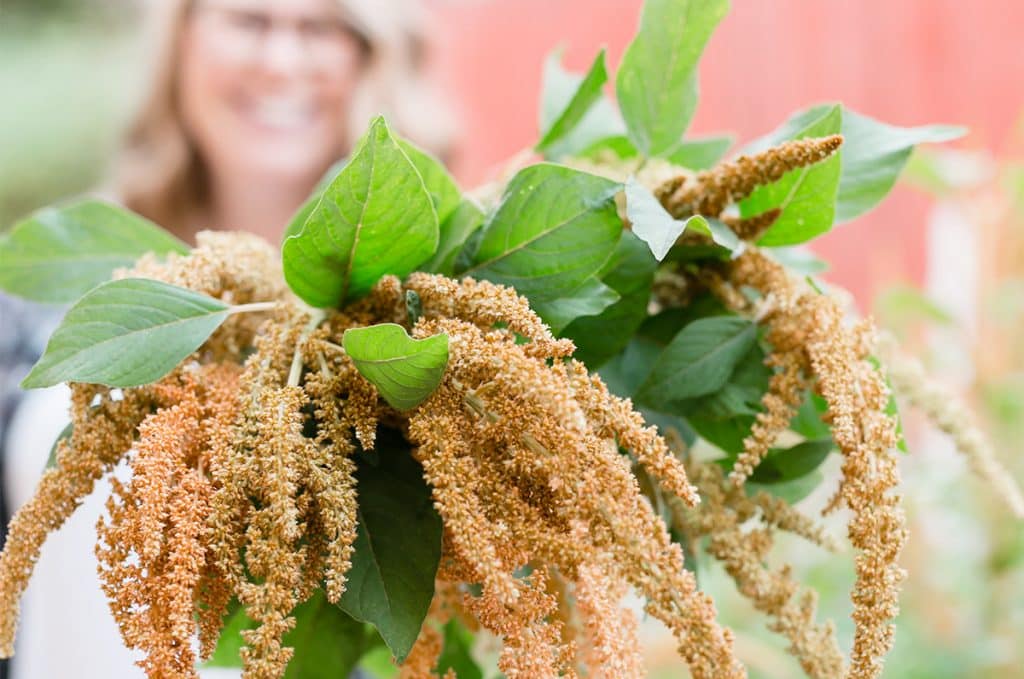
pixel 711 191
pixel 948 414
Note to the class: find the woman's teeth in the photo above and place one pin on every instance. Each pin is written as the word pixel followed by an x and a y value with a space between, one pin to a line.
pixel 282 113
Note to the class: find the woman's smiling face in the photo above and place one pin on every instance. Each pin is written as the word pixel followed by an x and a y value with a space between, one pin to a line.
pixel 264 86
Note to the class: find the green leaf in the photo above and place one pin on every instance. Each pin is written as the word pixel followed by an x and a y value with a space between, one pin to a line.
pixel 375 218
pixel 560 114
pixel 666 324
pixel 298 220
pixel 874 154
pixel 589 299
pixel 125 333
pixel 807 422
pixel 797 461
pixel 630 273
pixel 462 223
pixel 651 222
pixel 328 642
pixel 698 360
pixel 229 644
pixel 701 153
pixel 785 464
pixel 397 548
pixel 725 434
pixel 600 119
pixel 60 253
pixel 791 491
pixel 554 229
pixel 443 190
pixel 626 371
pixel 405 370
pixel 740 395
pixel 893 410
pixel 455 655
pixel 377 663
pixel 618 145
pixel 657 81
pixel 806 195
pixel 724 418
pixel 601 124
pixel 719 232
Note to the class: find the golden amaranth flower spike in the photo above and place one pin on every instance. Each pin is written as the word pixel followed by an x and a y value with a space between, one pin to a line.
pixel 709 192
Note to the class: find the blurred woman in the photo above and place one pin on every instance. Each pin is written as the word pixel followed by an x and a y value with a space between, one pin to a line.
pixel 251 102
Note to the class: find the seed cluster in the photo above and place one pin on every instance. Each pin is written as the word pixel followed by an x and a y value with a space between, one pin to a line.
pixel 721 516
pixel 232 494
pixel 523 455
pixel 550 488
pixel 711 191
pixel 835 356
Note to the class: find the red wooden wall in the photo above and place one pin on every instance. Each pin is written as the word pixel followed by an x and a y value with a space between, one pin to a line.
pixel 903 61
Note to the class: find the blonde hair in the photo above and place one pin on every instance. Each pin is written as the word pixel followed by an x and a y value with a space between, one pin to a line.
pixel 159 173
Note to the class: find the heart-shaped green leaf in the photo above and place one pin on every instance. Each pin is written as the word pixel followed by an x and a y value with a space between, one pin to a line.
pixel 555 228
pixel 405 370
pixel 125 333
pixel 657 81
pixel 397 547
pixel 567 98
pixel 375 218
pixel 59 253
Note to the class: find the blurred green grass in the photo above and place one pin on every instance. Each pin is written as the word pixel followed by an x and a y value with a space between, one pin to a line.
pixel 67 87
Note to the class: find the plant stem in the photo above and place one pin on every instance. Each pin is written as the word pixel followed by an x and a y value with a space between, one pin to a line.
pixel 334 347
pixel 325 370
pixel 252 307
pixel 316 316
